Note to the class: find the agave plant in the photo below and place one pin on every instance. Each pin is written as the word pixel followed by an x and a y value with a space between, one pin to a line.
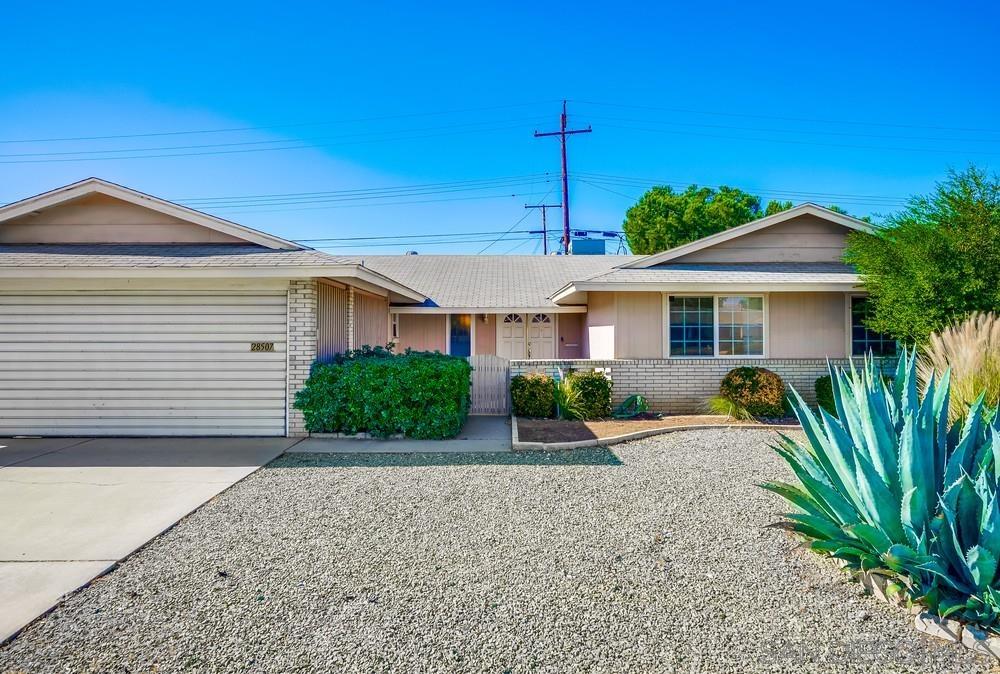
pixel 888 486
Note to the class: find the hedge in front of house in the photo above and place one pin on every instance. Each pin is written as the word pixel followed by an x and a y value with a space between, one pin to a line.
pixel 420 395
pixel 757 390
pixel 533 395
pixel 594 389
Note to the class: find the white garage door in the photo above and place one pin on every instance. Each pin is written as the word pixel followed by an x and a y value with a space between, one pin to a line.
pixel 142 363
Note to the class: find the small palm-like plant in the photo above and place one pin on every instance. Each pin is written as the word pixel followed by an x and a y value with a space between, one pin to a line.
pixel 970 350
pixel 568 402
pixel 889 487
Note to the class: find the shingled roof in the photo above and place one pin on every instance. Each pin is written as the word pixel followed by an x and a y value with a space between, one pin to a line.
pixel 491 281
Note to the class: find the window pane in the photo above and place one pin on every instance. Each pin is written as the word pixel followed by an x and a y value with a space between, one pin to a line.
pixel 691 326
pixel 741 326
pixel 461 334
pixel 864 340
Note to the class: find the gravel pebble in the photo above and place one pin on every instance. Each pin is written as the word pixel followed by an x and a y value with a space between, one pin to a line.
pixel 651 556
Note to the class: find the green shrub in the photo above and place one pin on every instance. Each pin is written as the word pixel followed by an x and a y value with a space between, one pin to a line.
pixel 759 392
pixel 895 491
pixel 421 395
pixel 824 394
pixel 533 395
pixel 594 389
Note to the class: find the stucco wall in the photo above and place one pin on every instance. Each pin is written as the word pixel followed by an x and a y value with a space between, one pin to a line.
pixel 98 218
pixel 806 238
pixel 422 332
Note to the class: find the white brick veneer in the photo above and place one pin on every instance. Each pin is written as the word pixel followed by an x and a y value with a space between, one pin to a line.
pixel 301 346
pixel 682 385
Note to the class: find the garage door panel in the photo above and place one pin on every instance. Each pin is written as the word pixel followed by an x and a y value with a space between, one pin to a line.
pixel 142 363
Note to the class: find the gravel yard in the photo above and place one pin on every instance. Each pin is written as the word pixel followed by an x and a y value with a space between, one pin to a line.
pixel 650 557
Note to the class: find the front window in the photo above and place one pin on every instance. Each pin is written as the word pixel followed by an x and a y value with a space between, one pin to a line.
pixel 460 335
pixel 741 326
pixel 692 326
pixel 864 340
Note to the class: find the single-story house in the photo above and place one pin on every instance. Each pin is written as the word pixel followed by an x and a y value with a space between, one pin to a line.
pixel 773 293
pixel 125 314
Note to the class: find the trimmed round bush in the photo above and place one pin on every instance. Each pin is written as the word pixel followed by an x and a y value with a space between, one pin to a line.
pixel 533 395
pixel 824 394
pixel 594 390
pixel 757 390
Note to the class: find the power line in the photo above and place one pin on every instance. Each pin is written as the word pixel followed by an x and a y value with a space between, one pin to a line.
pixel 814 120
pixel 377 134
pixel 389 203
pixel 519 221
pixel 256 149
pixel 272 126
pixel 788 141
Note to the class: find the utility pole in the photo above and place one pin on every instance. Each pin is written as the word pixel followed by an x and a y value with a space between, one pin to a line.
pixel 545 229
pixel 562 133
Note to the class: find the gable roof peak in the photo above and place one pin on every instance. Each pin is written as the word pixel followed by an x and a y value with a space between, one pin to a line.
pixel 807 208
pixel 95 185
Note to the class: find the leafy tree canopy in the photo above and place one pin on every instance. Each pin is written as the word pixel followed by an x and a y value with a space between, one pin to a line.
pixel 665 218
pixel 936 261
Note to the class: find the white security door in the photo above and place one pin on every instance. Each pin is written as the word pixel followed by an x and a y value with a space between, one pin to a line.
pixel 511 334
pixel 541 337
pixel 199 362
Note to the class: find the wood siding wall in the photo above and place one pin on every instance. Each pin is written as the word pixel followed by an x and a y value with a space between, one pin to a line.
pixel 807 325
pixel 639 325
pixel 802 239
pixel 331 323
pixel 371 320
pixel 486 334
pixel 422 332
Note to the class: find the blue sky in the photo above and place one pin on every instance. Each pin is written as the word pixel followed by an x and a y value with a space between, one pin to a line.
pixel 870 102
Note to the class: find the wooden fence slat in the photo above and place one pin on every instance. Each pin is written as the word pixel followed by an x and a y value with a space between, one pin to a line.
pixel 490 377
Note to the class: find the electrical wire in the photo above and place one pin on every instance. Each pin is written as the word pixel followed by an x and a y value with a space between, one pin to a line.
pixel 273 126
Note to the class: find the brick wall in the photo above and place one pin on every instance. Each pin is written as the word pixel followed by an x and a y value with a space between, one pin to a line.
pixel 301 346
pixel 681 385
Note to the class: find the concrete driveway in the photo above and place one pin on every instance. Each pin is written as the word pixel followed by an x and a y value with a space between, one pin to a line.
pixel 72 508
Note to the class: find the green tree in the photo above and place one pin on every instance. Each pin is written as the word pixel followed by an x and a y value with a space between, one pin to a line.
pixel 936 261
pixel 664 218
pixel 774 207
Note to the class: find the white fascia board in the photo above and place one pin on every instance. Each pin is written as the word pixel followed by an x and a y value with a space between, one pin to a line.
pixel 99 186
pixel 749 228
pixel 791 286
pixel 572 309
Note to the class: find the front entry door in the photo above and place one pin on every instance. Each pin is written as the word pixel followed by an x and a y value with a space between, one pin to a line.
pixel 511 333
pixel 541 337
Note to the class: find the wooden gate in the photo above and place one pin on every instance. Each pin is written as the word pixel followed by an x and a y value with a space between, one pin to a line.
pixel 490 378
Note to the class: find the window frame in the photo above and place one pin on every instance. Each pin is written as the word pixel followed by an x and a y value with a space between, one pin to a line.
pixel 394 326
pixel 849 327
pixel 715 325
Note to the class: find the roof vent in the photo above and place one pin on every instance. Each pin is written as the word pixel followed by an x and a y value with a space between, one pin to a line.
pixel 411 252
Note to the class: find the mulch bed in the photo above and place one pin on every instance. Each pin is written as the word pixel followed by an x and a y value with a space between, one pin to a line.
pixel 555 430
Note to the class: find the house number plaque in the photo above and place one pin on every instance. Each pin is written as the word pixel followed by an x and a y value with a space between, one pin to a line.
pixel 262 346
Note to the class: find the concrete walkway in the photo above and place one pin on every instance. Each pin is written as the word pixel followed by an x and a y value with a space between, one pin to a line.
pixel 480 434
pixel 72 508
